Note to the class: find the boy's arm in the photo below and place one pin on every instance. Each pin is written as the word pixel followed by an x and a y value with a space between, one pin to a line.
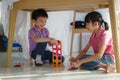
pixel 36 39
pixel 47 39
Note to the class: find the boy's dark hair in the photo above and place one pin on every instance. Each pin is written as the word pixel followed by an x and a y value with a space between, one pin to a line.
pixel 96 16
pixel 39 13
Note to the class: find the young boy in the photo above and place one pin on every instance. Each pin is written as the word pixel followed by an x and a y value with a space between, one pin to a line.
pixel 39 37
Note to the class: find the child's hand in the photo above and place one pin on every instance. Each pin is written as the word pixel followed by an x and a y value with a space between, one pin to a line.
pixel 72 59
pixel 53 41
pixel 76 64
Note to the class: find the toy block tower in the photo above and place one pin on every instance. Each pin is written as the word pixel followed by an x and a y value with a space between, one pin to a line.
pixel 57 55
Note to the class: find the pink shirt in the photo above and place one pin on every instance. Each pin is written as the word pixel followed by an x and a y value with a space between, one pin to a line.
pixel 102 38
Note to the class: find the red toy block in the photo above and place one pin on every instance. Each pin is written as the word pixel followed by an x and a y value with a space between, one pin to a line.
pixel 17 65
pixel 57 55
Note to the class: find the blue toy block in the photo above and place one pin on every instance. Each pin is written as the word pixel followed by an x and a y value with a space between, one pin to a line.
pixel 17 45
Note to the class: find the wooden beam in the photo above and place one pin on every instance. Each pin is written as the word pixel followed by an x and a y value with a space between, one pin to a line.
pixel 13 14
pixel 103 5
pixel 114 26
pixel 81 10
pixel 56 4
pixel 72 37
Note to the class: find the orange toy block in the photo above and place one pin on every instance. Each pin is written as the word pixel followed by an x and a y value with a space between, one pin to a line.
pixel 57 55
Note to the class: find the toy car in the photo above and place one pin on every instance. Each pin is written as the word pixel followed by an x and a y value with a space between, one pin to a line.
pixel 15 44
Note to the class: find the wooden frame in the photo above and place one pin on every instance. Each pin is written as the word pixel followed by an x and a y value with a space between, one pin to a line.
pixel 56 5
pixel 74 31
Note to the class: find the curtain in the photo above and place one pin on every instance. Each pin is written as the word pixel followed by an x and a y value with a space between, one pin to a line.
pixel 6 5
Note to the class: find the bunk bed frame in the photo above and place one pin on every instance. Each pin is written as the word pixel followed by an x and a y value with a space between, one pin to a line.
pixel 62 5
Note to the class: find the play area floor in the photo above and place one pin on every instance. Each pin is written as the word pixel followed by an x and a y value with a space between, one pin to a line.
pixel 46 72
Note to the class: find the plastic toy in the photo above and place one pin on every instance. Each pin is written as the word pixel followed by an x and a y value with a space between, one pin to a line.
pixel 72 69
pixel 17 64
pixel 15 44
pixel 57 55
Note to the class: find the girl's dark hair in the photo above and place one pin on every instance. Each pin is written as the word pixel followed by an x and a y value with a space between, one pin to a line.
pixel 39 13
pixel 96 16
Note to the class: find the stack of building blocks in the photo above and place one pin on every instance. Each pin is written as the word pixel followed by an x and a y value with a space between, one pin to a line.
pixel 57 55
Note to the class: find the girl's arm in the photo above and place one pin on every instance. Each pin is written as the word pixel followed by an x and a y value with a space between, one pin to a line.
pixel 96 56
pixel 73 59
pixel 91 58
pixel 83 51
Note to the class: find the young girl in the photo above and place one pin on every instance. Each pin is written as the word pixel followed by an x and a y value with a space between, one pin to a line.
pixel 102 44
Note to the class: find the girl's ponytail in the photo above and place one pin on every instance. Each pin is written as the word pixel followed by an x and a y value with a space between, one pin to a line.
pixel 96 16
pixel 106 25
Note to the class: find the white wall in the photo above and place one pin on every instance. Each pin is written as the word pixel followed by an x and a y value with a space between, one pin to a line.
pixel 60 28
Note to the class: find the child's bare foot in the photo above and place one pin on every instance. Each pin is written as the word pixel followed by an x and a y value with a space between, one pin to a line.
pixel 110 69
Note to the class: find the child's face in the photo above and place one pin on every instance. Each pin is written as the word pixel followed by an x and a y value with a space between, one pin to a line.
pixel 40 22
pixel 91 26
